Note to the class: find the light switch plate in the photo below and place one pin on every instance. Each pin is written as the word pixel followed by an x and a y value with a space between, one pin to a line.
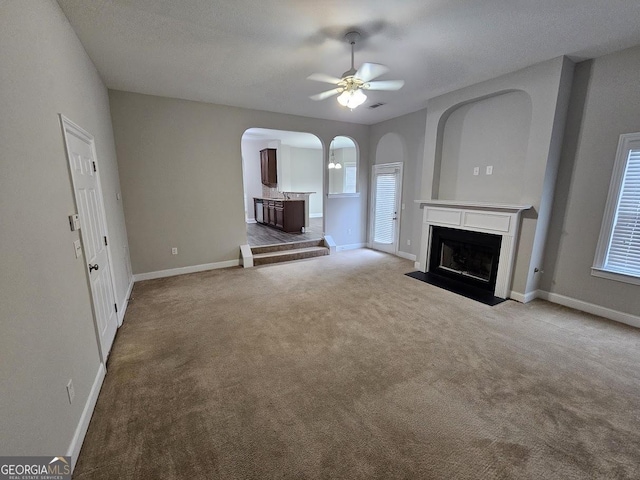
pixel 476 170
pixel 78 248
pixel 489 169
pixel 74 222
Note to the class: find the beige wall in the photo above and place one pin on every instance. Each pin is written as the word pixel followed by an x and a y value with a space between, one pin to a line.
pixel 47 327
pixel 402 140
pixel 548 87
pixel 306 176
pixel 605 104
pixel 493 131
pixel 251 174
pixel 181 172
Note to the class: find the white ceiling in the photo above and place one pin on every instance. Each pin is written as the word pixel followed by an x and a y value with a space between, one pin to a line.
pixel 257 54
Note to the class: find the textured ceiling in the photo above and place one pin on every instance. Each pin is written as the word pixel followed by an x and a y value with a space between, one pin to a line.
pixel 257 54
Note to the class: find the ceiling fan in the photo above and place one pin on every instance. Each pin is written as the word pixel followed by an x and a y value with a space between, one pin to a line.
pixel 353 81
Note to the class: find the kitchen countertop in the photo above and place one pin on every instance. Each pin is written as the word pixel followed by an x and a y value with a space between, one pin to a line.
pixel 281 199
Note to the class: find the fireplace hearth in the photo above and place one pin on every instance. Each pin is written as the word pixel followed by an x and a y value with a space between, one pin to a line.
pixel 465 256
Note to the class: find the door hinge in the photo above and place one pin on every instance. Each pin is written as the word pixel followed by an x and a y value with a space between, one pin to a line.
pixel 105 241
pixel 116 305
pixel 94 166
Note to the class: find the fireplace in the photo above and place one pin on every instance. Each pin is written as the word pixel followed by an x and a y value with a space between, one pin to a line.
pixel 501 223
pixel 465 256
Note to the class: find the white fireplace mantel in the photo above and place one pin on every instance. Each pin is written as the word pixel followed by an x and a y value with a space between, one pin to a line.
pixel 496 219
pixel 496 207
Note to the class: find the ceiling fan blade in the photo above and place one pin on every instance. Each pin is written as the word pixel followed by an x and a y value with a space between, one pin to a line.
pixel 369 71
pixel 321 77
pixel 327 94
pixel 384 85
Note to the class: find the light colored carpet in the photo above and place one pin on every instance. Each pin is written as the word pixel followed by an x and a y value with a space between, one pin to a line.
pixel 341 367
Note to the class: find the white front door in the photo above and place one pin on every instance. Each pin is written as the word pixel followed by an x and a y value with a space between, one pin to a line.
pixel 385 215
pixel 93 231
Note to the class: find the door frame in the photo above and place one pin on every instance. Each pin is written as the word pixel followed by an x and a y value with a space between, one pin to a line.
pixel 396 240
pixel 66 125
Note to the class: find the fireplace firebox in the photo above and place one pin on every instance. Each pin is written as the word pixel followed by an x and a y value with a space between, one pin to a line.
pixel 465 256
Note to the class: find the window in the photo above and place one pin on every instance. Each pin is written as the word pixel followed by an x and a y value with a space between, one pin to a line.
pixel 349 178
pixel 618 252
pixel 343 167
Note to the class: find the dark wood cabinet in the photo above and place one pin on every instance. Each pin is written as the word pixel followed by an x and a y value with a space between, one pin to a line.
pixel 286 215
pixel 265 209
pixel 271 218
pixel 279 216
pixel 268 167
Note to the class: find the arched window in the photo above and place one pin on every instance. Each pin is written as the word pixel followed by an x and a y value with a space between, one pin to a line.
pixel 343 166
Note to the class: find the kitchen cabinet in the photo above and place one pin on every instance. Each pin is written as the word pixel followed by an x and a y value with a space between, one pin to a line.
pixel 269 167
pixel 279 216
pixel 285 215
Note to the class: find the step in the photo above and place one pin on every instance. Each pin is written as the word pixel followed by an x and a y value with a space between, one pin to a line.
pixel 287 246
pixel 289 255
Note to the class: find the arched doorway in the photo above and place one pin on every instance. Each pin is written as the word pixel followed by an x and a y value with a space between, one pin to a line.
pixel 282 166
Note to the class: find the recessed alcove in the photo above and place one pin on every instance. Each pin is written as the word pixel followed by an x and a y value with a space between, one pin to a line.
pixel 514 124
pixel 491 132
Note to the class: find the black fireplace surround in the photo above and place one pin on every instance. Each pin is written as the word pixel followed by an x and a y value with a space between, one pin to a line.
pixel 465 256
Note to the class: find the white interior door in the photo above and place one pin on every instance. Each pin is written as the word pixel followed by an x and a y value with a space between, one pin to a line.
pixel 385 214
pixel 93 231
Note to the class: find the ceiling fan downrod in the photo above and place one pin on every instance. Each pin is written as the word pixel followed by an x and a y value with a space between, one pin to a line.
pixel 351 38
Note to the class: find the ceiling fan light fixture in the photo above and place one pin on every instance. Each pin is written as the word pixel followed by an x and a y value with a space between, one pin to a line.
pixel 352 98
pixel 354 80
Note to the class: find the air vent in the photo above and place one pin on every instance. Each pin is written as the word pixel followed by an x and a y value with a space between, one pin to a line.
pixel 376 105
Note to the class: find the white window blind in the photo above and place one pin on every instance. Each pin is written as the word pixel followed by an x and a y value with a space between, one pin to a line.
pixel 385 208
pixel 349 178
pixel 623 253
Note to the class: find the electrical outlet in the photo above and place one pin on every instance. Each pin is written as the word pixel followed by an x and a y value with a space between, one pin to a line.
pixel 70 391
pixel 174 251
pixel 408 242
pixel 489 169
pixel 476 170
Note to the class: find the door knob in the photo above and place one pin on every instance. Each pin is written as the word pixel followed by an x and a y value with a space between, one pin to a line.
pixel 93 267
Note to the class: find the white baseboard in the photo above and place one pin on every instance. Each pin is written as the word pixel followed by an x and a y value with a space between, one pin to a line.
pixel 250 220
pixel 315 215
pixel 184 270
pixel 122 308
pixel 592 308
pixel 416 265
pixel 330 243
pixel 408 256
pixel 81 430
pixel 247 256
pixel 522 298
pixel 352 246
